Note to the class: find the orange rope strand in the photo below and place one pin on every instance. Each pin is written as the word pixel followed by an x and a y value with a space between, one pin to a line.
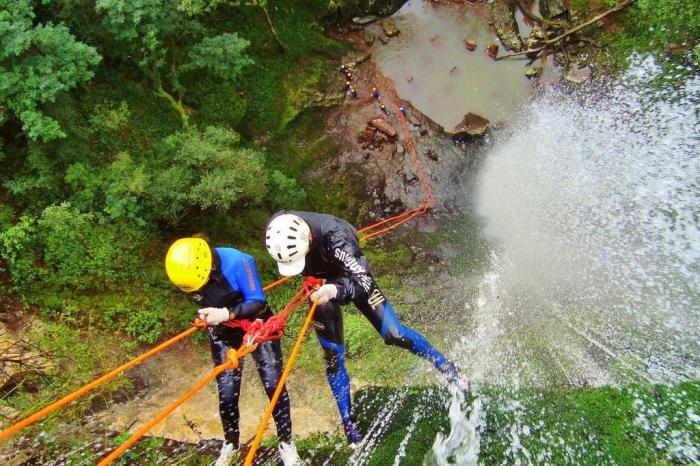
pixel 276 283
pixel 404 217
pixel 273 401
pixel 107 377
pixel 231 363
pixel 92 385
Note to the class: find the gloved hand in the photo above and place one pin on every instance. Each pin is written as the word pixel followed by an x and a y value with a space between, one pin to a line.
pixel 325 294
pixel 214 315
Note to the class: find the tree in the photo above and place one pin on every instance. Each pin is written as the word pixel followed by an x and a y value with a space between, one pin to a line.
pixel 205 169
pixel 37 62
pixel 223 56
pixel 157 34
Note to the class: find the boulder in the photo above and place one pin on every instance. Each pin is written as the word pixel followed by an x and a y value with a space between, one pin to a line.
pixel 354 58
pixel 577 75
pixel 492 50
pixel 362 20
pixel 533 72
pixel 472 126
pixel 368 37
pixel 390 28
pixel 552 8
pixel 536 37
pixel 382 125
pixel 470 44
pixel 502 17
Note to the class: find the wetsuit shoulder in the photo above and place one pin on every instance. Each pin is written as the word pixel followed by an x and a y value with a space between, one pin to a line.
pixel 239 270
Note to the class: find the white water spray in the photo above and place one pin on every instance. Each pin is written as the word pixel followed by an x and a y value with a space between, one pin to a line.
pixel 592 204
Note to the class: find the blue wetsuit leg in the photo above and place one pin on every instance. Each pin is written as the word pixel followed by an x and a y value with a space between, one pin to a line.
pixel 328 323
pixel 382 316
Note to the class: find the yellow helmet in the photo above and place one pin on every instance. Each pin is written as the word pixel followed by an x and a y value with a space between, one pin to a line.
pixel 188 263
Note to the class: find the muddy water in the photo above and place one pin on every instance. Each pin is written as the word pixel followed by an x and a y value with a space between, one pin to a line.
pixel 433 69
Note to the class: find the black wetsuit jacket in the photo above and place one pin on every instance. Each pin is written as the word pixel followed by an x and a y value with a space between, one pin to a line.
pixel 335 255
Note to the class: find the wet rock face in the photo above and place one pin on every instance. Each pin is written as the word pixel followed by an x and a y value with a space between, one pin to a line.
pixel 501 13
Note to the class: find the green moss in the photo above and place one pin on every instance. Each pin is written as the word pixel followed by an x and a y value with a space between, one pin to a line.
pixel 276 85
pixel 646 26
pixel 586 426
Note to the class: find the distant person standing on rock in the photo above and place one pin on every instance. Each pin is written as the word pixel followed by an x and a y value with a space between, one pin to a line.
pixel 327 247
pixel 225 285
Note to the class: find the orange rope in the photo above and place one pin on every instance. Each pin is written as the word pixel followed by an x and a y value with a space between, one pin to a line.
pixel 280 385
pixel 92 385
pixel 404 217
pixel 107 377
pixel 276 283
pixel 231 363
pixel 413 215
pixel 394 221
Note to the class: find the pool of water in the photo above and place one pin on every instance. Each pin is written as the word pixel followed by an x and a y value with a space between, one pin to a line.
pixel 433 69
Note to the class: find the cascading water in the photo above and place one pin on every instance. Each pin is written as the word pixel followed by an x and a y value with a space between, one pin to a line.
pixel 591 205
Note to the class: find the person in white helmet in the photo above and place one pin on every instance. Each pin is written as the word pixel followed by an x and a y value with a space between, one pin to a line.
pixel 327 247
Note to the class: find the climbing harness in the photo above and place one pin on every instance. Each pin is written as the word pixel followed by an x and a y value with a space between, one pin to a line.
pixel 256 331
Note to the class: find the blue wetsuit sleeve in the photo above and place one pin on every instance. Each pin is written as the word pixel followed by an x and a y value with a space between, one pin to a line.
pixel 250 286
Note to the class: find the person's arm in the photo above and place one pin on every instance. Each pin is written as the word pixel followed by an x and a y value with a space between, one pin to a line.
pixel 346 255
pixel 250 286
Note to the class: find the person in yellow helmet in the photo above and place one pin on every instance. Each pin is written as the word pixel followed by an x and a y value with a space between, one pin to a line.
pixel 225 285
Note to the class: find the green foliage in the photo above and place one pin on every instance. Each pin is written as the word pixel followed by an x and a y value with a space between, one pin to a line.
pixel 81 253
pixel 285 192
pixel 206 169
pixel 144 325
pixel 146 25
pixel 220 105
pixel 39 182
pixel 168 43
pixel 17 252
pixel 75 250
pixel 37 63
pixel 223 56
pixel 81 356
pixel 6 216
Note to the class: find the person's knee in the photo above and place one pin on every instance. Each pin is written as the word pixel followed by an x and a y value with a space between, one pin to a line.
pixel 333 361
pixel 396 336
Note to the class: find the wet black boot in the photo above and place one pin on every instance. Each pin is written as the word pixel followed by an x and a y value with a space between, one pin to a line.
pixel 352 433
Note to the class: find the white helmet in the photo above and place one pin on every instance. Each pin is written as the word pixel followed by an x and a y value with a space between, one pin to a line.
pixel 288 240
